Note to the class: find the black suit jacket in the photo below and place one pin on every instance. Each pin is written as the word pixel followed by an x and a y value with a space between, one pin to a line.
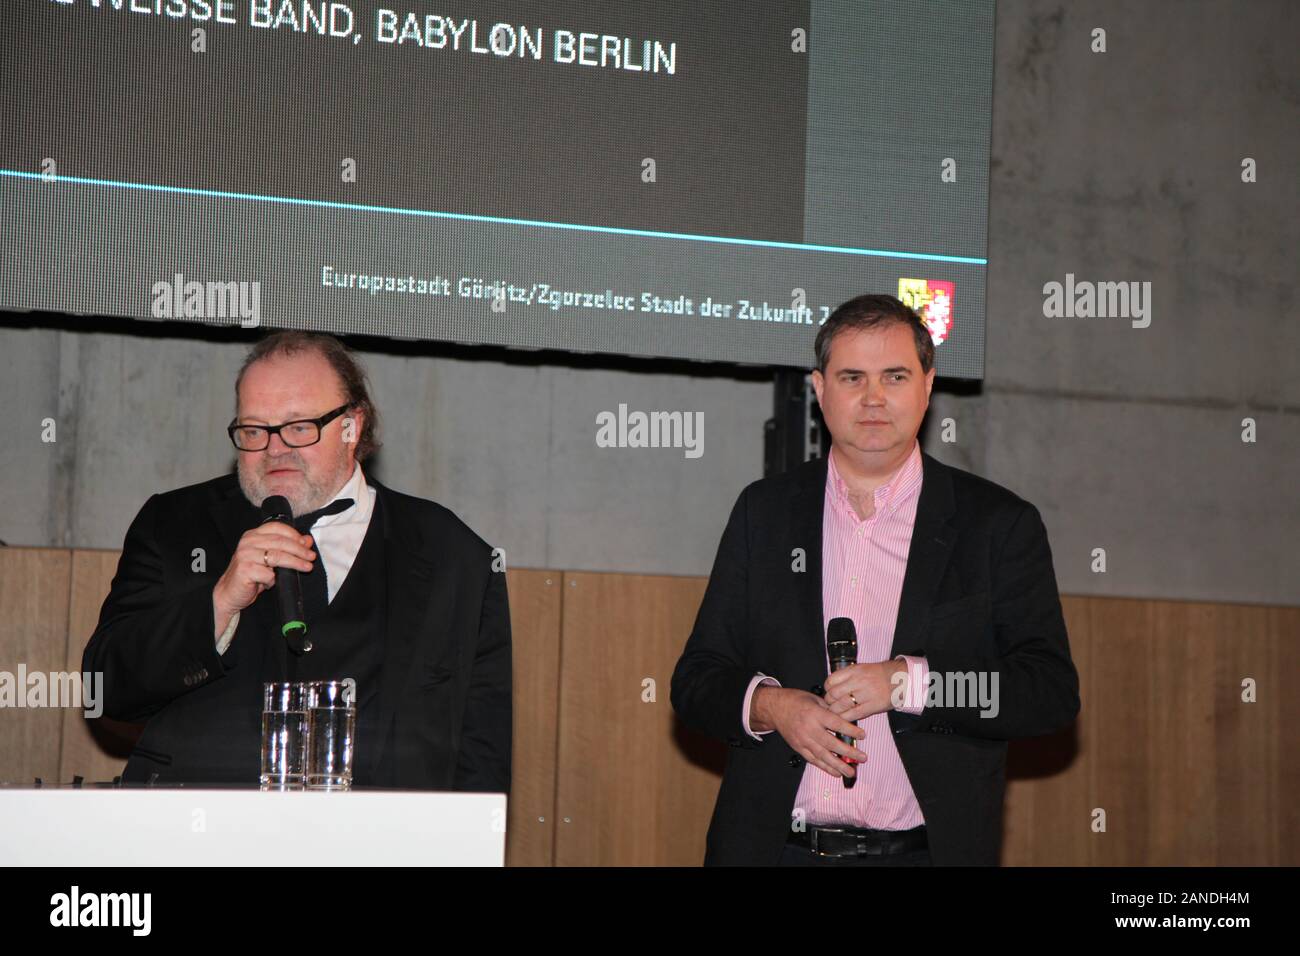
pixel 979 594
pixel 444 673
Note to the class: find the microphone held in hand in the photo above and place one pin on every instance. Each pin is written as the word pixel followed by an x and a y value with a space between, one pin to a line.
pixel 288 589
pixel 842 649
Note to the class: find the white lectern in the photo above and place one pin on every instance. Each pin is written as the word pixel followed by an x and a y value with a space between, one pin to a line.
pixel 184 827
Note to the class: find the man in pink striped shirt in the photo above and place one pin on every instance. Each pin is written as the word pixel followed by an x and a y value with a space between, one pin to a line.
pixel 961 645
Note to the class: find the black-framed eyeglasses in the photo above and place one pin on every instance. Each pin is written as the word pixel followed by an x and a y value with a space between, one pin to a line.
pixel 295 434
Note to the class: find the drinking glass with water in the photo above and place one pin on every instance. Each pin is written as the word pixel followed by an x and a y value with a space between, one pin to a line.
pixel 285 736
pixel 332 726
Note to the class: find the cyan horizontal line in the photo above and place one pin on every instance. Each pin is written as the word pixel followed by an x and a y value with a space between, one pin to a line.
pixel 501 220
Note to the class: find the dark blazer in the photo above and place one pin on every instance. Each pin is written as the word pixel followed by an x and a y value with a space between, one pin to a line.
pixel 979 594
pixel 443 703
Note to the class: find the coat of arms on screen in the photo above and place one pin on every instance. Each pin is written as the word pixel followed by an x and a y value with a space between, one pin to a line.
pixel 932 301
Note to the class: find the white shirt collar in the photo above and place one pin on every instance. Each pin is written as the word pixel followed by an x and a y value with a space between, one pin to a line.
pixel 362 496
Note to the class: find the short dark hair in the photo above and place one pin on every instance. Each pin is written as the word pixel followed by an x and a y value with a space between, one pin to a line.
pixel 351 375
pixel 874 312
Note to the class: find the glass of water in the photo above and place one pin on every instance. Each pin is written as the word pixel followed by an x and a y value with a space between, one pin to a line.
pixel 285 736
pixel 332 722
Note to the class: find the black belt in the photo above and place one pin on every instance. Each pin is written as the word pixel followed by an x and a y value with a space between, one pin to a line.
pixel 856 841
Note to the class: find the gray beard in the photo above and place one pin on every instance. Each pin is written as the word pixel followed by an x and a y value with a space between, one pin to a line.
pixel 313 494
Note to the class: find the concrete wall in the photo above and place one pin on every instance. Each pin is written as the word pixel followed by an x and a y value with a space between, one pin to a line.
pixel 1122 166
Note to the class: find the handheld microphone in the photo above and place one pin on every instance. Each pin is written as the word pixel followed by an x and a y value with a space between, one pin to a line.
pixel 288 589
pixel 842 649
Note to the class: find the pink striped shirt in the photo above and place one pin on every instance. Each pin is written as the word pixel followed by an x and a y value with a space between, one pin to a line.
pixel 863 562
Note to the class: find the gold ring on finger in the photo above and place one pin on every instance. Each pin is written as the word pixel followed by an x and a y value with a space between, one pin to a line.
pixel 266 557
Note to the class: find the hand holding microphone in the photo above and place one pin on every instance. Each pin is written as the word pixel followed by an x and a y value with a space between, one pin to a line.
pixel 811 724
pixel 274 546
pixel 854 691
pixel 810 728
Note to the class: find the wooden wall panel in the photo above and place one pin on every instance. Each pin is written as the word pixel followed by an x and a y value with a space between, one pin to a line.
pixel 33 629
pixel 1048 797
pixel 93 749
pixel 1188 773
pixel 1178 744
pixel 1281 725
pixel 1118 715
pixel 1257 782
pixel 635 788
pixel 535 644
